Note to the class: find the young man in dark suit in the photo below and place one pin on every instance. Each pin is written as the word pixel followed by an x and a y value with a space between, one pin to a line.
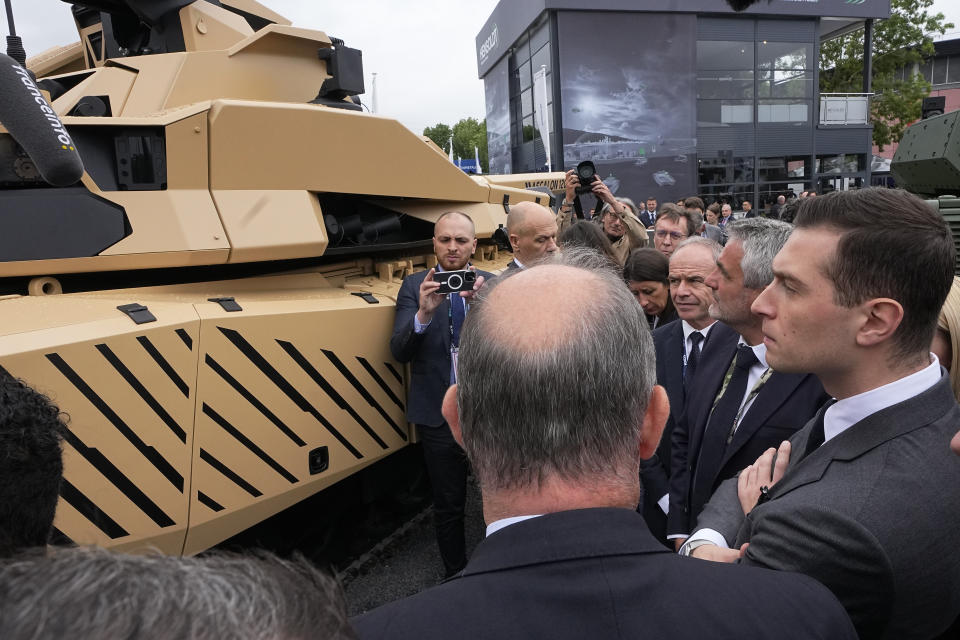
pixel 740 406
pixel 566 554
pixel 866 497
pixel 426 333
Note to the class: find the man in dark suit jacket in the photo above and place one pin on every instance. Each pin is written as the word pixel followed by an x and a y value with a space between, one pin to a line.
pixel 426 334
pixel 648 217
pixel 866 497
pixel 682 348
pixel 566 555
pixel 739 407
pixel 532 230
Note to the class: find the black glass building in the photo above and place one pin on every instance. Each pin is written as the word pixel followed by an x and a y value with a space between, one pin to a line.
pixel 671 99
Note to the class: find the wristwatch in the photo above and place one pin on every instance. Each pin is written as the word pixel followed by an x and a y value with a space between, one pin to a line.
pixel 687 548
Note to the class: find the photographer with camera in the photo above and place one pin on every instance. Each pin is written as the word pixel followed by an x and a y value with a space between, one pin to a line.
pixel 617 218
pixel 431 307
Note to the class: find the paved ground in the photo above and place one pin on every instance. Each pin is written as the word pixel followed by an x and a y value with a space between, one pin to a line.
pixel 407 561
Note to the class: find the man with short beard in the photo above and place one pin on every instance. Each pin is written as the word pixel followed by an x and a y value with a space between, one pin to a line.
pixel 426 333
pixel 739 407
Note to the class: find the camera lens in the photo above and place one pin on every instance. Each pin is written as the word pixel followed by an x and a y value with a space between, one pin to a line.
pixel 455 283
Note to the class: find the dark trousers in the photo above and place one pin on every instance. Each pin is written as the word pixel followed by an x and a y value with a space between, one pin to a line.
pixel 447 466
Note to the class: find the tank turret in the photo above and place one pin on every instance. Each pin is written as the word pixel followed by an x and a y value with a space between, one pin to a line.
pixel 927 163
pixel 212 302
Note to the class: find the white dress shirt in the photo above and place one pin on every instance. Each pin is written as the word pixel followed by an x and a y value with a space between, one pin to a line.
pixel 496 525
pixel 845 413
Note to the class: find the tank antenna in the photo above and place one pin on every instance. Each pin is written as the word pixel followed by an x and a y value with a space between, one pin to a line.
pixel 14 44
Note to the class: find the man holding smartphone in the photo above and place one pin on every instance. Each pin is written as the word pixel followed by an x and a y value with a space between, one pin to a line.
pixel 426 333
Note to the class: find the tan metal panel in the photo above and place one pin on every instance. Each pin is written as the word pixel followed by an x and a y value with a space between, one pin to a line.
pixel 206 29
pixel 283 378
pixel 129 393
pixel 271 225
pixel 187 146
pixel 329 150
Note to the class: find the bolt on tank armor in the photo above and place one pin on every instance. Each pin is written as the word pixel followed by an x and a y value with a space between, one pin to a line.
pixel 211 299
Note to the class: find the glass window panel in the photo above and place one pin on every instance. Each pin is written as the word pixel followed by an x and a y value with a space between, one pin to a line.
pixel 784 55
pixel 782 83
pixel 723 167
pixel 783 111
pixel 725 84
pixel 843 163
pixel 529 131
pixel 522 49
pixel 953 69
pixel 524 72
pixel 724 111
pixel 783 168
pixel 734 194
pixel 939 71
pixel 526 102
pixel 926 70
pixel 541 57
pixel 540 35
pixel 715 54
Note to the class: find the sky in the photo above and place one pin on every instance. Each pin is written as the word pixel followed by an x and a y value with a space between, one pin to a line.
pixel 422 51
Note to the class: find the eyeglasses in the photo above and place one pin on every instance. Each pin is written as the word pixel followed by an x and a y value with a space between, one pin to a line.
pixel 663 233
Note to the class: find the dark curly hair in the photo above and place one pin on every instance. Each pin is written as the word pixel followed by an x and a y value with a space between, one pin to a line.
pixel 31 465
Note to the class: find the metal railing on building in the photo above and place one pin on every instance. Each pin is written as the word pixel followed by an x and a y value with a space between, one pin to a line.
pixel 845 108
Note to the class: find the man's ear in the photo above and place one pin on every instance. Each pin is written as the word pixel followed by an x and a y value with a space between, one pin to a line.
pixel 882 317
pixel 451 414
pixel 654 420
pixel 514 241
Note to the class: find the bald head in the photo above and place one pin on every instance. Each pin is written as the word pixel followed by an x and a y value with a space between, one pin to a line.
pixel 556 326
pixel 533 232
pixel 531 318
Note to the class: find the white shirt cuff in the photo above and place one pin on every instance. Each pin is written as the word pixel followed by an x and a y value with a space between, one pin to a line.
pixel 707 535
pixel 417 327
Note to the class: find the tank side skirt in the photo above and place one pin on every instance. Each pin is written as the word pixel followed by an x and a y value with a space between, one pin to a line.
pixel 267 369
pixel 342 368
pixel 380 381
pixel 249 444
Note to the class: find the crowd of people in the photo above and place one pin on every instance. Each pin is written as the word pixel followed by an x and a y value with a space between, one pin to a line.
pixel 682 424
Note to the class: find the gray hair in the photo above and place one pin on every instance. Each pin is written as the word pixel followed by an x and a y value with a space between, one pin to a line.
pixel 625 201
pixel 558 411
pixel 762 239
pixel 713 245
pixel 90 593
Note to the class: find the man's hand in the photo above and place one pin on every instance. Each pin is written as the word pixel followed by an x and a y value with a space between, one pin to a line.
pixel 714 553
pixel 678 542
pixel 468 296
pixel 570 184
pixel 602 192
pixel 762 474
pixel 429 298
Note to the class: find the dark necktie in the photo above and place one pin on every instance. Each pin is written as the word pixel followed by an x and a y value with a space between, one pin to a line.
pixel 693 358
pixel 721 421
pixel 457 314
pixel 816 435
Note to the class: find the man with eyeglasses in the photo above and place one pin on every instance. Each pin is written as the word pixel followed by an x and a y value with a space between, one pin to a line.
pixel 673 226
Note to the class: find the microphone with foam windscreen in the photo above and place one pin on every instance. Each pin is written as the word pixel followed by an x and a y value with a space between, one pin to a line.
pixel 33 123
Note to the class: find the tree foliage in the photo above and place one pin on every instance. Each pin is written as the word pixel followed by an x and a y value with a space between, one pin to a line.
pixel 467 134
pixel 901 41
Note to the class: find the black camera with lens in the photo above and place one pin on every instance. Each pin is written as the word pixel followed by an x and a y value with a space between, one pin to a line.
pixel 454 281
pixel 587 174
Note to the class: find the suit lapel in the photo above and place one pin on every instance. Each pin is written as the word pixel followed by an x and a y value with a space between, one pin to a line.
pixel 872 431
pixel 673 370
pixel 709 379
pixel 772 395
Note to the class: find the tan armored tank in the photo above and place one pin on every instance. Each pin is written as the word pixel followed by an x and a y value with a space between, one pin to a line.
pixel 212 303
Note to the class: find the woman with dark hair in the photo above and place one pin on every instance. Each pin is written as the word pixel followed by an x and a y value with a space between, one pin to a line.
pixel 588 235
pixel 646 275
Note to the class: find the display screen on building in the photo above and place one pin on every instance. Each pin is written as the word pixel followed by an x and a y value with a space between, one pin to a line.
pixel 496 87
pixel 628 94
